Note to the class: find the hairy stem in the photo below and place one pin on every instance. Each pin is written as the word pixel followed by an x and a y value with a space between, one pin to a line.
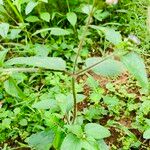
pixel 76 61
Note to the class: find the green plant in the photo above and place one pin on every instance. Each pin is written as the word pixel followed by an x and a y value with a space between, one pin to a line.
pixel 58 110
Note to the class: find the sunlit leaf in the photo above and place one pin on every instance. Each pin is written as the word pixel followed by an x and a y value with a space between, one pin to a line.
pixel 42 140
pixel 12 89
pixel 72 18
pixel 53 63
pixel 108 67
pixel 96 131
pixel 1 2
pixel 45 16
pixel 4 28
pixel 2 56
pixel 30 6
pixel 135 65
pixel 146 134
pixel 71 142
pixel 32 19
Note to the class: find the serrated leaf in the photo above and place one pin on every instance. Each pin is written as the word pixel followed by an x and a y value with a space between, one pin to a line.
pixel 45 16
pixel 45 104
pixel 96 131
pixel 32 19
pixel 4 28
pixel 72 18
pixel 54 31
pixel 146 134
pixel 30 6
pixel 71 142
pixel 109 67
pixel 12 89
pixel 53 63
pixel 2 56
pixel 135 65
pixel 42 140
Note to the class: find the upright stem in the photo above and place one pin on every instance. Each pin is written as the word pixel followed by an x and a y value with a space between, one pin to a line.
pixel 76 61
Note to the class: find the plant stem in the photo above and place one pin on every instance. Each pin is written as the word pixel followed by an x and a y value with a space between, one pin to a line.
pixel 76 62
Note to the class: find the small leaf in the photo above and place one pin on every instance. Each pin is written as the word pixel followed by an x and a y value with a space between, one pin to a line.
pixel 53 63
pixel 45 16
pixel 32 19
pixel 72 18
pixel 108 67
pixel 14 33
pixel 86 9
pixel 71 142
pixel 2 56
pixel 103 145
pixel 4 28
pixel 135 65
pixel 12 89
pixel 30 6
pixel 42 140
pixel 146 134
pixel 96 131
pixel 45 104
pixel 54 31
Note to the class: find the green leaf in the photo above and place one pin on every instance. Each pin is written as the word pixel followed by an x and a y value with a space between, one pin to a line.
pixel 135 65
pixel 54 31
pixel 1 2
pixel 99 15
pixel 96 131
pixel 113 36
pixel 108 67
pixel 59 32
pixel 112 101
pixel 103 145
pixel 72 18
pixel 42 140
pixel 14 33
pixel 2 56
pixel 75 129
pixel 87 9
pixel 110 34
pixel 71 142
pixel 30 6
pixel 53 63
pixel 4 28
pixel 23 122
pixel 45 104
pixel 32 19
pixel 45 16
pixel 146 134
pixel 12 89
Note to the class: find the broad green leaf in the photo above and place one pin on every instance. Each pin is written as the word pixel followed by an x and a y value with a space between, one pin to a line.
pixel 100 15
pixel 86 9
pixel 42 140
pixel 54 31
pixel 4 28
pixel 66 102
pixel 53 63
pixel 59 31
pixel 12 89
pixel 103 145
pixel 45 16
pixel 113 36
pixel 72 18
pixel 111 101
pixel 14 33
pixel 2 56
pixel 32 19
pixel 75 129
pixel 45 104
pixel 135 65
pixel 108 67
pixel 71 142
pixel 110 34
pixel 30 6
pixel 96 131
pixel 146 134
pixel 1 2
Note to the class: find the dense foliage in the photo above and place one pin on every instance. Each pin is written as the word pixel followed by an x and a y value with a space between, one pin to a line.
pixel 74 74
